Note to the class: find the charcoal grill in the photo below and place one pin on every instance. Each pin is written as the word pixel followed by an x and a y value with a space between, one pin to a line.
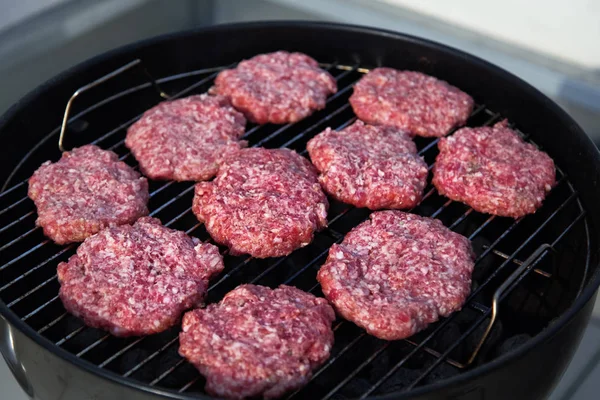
pixel 534 281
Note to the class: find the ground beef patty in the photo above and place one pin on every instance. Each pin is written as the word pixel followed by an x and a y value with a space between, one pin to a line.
pixel 278 87
pixel 493 170
pixel 369 166
pixel 185 140
pixel 263 202
pixel 412 101
pixel 85 191
pixel 258 341
pixel 137 280
pixel 396 273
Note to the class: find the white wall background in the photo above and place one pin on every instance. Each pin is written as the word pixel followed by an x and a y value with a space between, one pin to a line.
pixel 565 29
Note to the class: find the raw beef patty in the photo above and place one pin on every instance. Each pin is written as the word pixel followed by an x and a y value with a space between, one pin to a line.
pixel 396 273
pixel 185 140
pixel 87 190
pixel 137 280
pixel 412 101
pixel 263 202
pixel 369 166
pixel 258 341
pixel 493 170
pixel 278 87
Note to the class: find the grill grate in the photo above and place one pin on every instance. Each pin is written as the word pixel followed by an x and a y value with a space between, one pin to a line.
pixel 360 365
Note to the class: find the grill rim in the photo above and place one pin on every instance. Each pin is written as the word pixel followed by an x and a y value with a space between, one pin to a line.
pixel 578 305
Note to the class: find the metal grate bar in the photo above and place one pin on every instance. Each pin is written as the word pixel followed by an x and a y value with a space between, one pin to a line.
pixel 362 365
pixel 70 335
pixel 18 239
pixel 26 317
pixel 188 385
pixel 18 299
pixel 519 262
pixel 24 254
pixel 437 354
pixel 54 322
pixel 167 372
pixel 93 345
pixel 332 360
pixel 151 356
pixel 122 351
pixel 12 188
pixel 37 267
pixel 13 205
pixel 16 221
pixel 329 116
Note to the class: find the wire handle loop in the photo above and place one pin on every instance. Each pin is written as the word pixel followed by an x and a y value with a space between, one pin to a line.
pixel 498 294
pixel 118 71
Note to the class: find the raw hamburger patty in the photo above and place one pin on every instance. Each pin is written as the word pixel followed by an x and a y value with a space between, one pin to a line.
pixel 185 140
pixel 369 166
pixel 263 202
pixel 278 87
pixel 396 273
pixel 258 341
pixel 411 101
pixel 137 280
pixel 493 170
pixel 85 191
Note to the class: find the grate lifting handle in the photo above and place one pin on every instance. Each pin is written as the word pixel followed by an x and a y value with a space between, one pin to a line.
pixel 523 269
pixel 99 81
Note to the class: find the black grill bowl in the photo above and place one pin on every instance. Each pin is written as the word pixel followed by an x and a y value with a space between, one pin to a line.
pixel 541 318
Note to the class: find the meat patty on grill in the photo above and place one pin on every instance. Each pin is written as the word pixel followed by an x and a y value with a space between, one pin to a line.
pixel 409 100
pixel 263 202
pixel 493 170
pixel 396 273
pixel 137 280
pixel 185 139
pixel 369 166
pixel 87 190
pixel 278 87
pixel 258 341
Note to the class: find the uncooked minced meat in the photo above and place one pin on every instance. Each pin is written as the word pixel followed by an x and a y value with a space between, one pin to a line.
pixel 412 101
pixel 398 272
pixel 137 280
pixel 369 166
pixel 85 191
pixel 258 341
pixel 185 140
pixel 493 170
pixel 277 87
pixel 263 202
